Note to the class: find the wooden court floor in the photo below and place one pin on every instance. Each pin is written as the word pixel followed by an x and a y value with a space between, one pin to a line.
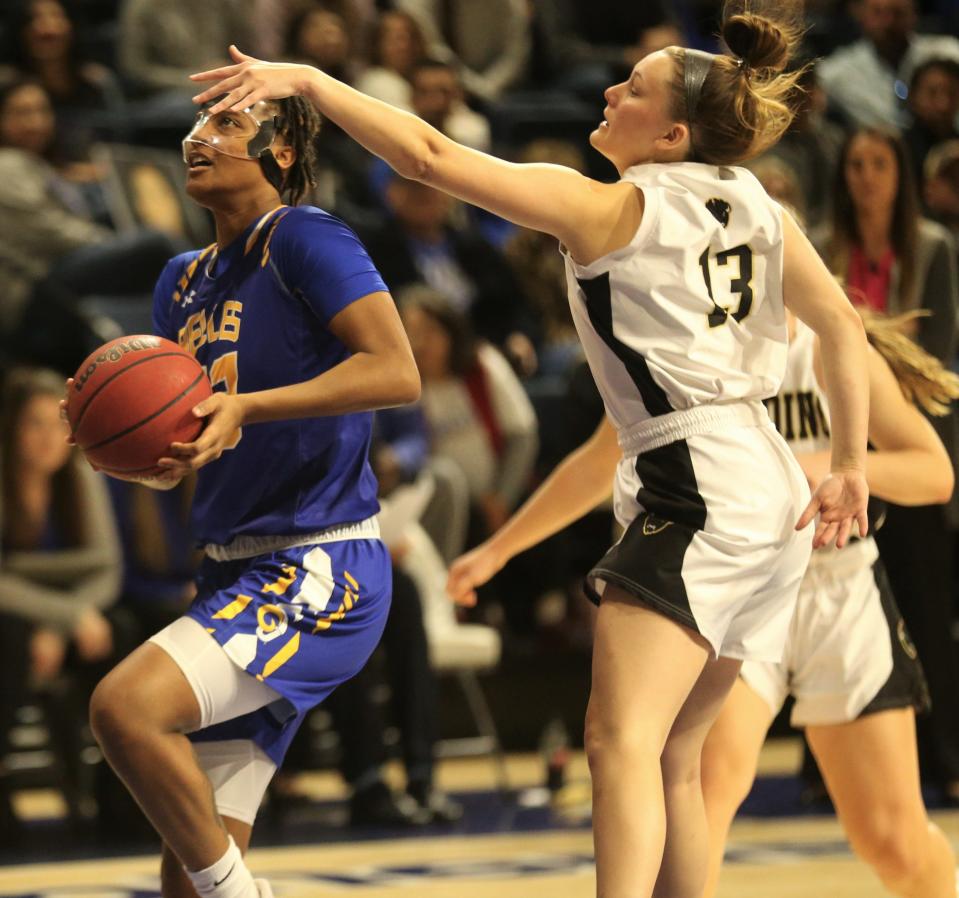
pixel 787 858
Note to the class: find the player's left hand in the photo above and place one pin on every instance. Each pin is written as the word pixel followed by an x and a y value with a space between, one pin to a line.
pixel 224 417
pixel 250 80
pixel 840 501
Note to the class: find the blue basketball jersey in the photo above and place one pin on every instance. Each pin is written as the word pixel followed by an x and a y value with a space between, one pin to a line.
pixel 255 315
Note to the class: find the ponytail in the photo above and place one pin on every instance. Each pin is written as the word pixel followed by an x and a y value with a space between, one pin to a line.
pixel 744 100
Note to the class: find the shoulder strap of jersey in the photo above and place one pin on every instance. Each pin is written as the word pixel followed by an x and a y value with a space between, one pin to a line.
pixel 190 271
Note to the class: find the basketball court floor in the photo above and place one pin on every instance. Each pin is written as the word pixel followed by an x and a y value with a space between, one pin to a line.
pixel 516 848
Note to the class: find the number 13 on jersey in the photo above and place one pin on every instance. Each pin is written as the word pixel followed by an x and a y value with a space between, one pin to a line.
pixel 741 284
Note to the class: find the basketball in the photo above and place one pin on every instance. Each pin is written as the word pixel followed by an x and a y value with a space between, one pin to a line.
pixel 132 398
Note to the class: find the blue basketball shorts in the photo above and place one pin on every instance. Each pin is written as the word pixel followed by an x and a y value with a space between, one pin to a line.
pixel 300 619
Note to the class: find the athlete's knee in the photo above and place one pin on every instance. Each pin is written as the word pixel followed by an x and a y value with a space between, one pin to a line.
pixel 891 847
pixel 115 713
pixel 726 773
pixel 107 718
pixel 607 741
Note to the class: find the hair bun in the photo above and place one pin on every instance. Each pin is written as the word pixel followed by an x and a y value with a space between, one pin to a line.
pixel 758 41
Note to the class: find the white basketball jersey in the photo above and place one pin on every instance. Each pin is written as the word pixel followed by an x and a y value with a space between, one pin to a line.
pixel 691 310
pixel 799 410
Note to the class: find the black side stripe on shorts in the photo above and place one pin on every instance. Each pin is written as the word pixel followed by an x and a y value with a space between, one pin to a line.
pixel 599 307
pixel 668 485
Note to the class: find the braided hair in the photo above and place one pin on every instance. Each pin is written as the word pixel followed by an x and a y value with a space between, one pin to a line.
pixel 300 126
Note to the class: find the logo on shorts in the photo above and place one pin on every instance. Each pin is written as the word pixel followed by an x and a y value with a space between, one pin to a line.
pixel 653 525
pixel 907 644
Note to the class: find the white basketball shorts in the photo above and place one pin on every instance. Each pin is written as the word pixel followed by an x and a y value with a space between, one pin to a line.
pixel 848 653
pixel 710 536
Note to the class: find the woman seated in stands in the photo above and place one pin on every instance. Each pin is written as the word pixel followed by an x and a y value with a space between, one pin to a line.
pixel 59 550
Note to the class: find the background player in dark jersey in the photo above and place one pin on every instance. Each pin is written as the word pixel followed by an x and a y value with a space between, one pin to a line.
pixel 300 338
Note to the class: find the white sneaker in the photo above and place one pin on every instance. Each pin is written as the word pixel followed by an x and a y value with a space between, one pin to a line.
pixel 263 888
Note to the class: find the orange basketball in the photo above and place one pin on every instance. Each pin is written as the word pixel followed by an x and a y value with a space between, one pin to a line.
pixel 131 399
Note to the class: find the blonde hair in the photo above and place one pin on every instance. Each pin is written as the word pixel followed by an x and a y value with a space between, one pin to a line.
pixel 923 379
pixel 748 100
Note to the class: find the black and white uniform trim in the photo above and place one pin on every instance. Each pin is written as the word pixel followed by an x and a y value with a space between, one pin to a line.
pixel 684 331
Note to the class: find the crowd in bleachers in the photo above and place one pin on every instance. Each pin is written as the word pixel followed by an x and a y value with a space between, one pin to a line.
pixel 94 101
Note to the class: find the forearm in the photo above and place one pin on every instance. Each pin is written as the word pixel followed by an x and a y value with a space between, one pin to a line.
pixel 400 138
pixel 845 366
pixel 361 383
pixel 910 476
pixel 580 483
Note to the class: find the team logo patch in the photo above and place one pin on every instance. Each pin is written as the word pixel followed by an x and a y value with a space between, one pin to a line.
pixel 719 209
pixel 653 525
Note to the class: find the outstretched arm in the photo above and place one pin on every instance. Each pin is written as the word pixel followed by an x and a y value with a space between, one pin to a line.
pixel 588 217
pixel 578 484
pixel 813 294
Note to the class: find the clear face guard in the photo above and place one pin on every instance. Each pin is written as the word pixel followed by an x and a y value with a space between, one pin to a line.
pixel 238 134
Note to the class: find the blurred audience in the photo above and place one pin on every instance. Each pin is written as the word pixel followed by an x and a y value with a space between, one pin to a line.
pixel 318 36
pixel 538 264
pixel 396 46
pixel 867 81
pixel 51 251
pixel 400 455
pixel 893 260
pixel 810 149
pixel 934 107
pixel 477 413
pixel 419 244
pixel 586 45
pixel 941 185
pixel 59 552
pixel 161 44
pixel 42 42
pixel 489 41
pixel 437 97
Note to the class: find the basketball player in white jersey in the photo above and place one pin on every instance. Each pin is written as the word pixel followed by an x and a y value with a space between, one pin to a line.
pixel 848 662
pixel 678 275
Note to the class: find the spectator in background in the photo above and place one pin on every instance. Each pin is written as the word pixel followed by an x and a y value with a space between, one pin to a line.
pixel 477 413
pixel 59 551
pixel 51 251
pixel 867 81
pixel 396 46
pixel 934 107
pixel 892 260
pixel 588 44
pixel 539 265
pixel 86 96
pixel 400 455
pixel 402 75
pixel 489 41
pixel 779 180
pixel 437 98
pixel 318 36
pixel 160 44
pixel 810 149
pixel 418 244
pixel 941 185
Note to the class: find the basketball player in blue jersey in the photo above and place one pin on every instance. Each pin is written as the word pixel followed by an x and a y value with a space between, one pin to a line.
pixel 301 340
